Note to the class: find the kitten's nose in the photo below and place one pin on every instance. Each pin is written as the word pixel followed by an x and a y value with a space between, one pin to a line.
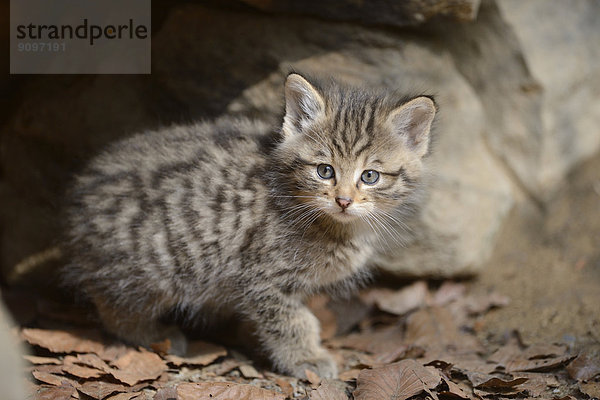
pixel 343 202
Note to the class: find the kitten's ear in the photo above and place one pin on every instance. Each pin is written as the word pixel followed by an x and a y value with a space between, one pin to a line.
pixel 303 103
pixel 413 121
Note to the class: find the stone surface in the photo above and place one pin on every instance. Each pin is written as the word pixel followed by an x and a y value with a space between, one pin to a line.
pixel 387 12
pixel 518 94
pixel 560 46
pixel 11 366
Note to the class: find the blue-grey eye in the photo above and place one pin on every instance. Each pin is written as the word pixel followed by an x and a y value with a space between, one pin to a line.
pixel 369 177
pixel 325 171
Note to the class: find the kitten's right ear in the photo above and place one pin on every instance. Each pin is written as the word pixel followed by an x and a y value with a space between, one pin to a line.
pixel 303 103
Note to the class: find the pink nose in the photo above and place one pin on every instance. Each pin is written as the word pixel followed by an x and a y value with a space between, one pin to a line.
pixel 343 202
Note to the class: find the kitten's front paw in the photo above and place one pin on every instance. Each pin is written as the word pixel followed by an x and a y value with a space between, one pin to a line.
pixel 325 367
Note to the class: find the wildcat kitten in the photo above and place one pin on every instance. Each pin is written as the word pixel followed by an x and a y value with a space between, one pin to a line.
pixel 234 215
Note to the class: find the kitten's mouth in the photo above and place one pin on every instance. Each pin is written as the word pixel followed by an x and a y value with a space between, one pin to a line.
pixel 343 216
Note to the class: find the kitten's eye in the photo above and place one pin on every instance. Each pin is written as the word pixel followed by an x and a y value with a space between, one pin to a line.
pixel 369 177
pixel 325 171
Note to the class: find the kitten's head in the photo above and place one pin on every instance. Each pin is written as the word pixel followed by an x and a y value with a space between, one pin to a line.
pixel 349 153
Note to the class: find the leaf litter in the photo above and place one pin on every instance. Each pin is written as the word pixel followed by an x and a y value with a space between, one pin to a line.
pixel 416 342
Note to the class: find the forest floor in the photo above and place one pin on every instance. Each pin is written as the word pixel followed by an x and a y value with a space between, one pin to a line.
pixel 528 327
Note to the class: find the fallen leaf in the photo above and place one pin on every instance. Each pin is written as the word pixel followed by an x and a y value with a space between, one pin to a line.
pixel 101 390
pixel 63 392
pixel 61 341
pixel 93 361
pixel 52 379
pixel 82 372
pixel 476 305
pixel 125 396
pixel 312 377
pixel 592 389
pixel 397 381
pixel 224 391
pixel 453 391
pixel 500 384
pixel 448 292
pixel 382 340
pixel 434 328
pixel 136 366
pixel 349 375
pixel 42 360
pixel 285 387
pixel 50 368
pixel 514 359
pixel 585 366
pixel 329 390
pixel 248 371
pixel 398 302
pixel 198 353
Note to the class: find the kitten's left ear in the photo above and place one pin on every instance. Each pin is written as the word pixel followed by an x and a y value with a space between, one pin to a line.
pixel 303 103
pixel 413 121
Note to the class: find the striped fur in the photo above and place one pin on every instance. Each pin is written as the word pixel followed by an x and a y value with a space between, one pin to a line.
pixel 232 216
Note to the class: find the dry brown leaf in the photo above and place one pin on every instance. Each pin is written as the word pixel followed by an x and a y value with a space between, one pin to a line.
pixel 397 381
pixel 312 377
pixel 248 371
pixel 540 358
pixel 285 387
pixel 198 353
pixel 138 365
pixel 585 366
pixel 434 328
pixel 448 292
pixel 101 390
pixel 63 392
pixel 52 379
pixel 42 360
pixel 349 375
pixel 592 389
pixel 476 305
pixel 93 361
pixel 166 393
pixel 379 341
pixel 224 391
pixel 454 391
pixel 537 384
pixel 125 396
pixel 329 390
pixel 62 342
pixel 82 372
pixel 398 302
pixel 500 384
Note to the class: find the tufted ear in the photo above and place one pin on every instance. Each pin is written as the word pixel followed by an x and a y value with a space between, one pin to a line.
pixel 303 104
pixel 413 121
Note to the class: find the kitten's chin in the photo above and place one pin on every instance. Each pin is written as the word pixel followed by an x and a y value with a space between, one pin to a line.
pixel 344 217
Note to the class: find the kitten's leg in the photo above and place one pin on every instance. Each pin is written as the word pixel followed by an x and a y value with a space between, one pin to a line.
pixel 290 334
pixel 140 327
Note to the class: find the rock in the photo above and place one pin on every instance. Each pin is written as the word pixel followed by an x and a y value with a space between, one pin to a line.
pixel 539 85
pixel 11 365
pixel 560 48
pixel 386 12
pixel 516 112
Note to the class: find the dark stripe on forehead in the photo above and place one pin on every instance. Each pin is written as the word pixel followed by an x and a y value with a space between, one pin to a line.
pixel 401 173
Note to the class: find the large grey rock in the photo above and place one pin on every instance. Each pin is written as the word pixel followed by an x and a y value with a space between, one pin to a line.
pixel 11 365
pixel 515 115
pixel 388 12
pixel 560 44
